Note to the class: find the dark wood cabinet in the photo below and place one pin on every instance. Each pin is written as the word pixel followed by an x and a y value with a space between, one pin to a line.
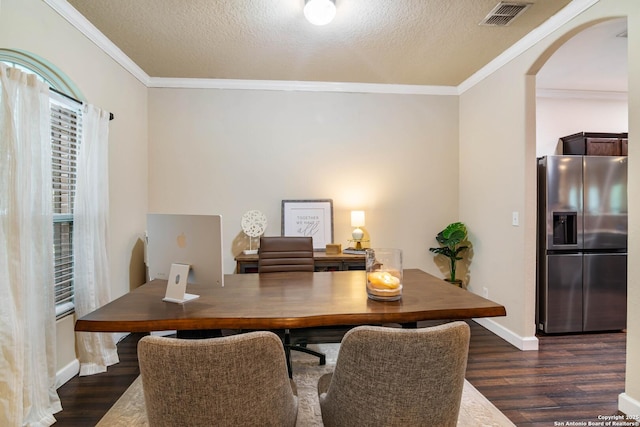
pixel 595 144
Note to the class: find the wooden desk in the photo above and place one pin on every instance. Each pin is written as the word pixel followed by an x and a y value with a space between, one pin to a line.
pixel 287 300
pixel 322 261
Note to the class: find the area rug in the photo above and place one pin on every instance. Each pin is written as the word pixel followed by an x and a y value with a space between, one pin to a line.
pixel 475 411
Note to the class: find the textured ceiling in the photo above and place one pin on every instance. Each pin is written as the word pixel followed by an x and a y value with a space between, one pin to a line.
pixel 414 42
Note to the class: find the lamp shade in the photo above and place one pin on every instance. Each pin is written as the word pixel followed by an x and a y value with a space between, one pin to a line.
pixel 357 218
pixel 320 12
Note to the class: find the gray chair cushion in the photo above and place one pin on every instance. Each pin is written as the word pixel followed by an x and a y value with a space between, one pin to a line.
pixel 230 381
pixel 397 377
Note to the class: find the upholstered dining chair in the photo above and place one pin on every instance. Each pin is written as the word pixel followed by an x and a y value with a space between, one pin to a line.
pixel 239 380
pixel 397 377
pixel 282 254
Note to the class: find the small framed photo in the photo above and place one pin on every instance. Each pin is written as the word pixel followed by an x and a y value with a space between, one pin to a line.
pixel 309 218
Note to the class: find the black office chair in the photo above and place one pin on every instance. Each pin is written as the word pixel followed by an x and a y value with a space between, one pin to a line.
pixel 282 254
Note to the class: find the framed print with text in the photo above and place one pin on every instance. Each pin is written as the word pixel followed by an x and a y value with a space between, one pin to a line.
pixel 312 218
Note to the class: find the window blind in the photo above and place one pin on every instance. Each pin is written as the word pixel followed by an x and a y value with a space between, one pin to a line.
pixel 66 122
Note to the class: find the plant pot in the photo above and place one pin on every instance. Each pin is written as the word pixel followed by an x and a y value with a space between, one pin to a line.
pixel 456 282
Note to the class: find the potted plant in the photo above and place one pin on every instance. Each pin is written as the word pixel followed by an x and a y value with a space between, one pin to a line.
pixel 451 241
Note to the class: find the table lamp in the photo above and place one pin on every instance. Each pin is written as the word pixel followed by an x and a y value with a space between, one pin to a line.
pixel 357 221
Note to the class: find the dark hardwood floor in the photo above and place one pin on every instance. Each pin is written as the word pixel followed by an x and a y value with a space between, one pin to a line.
pixel 85 400
pixel 571 378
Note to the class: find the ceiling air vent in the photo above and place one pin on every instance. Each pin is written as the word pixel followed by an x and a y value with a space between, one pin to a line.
pixel 504 13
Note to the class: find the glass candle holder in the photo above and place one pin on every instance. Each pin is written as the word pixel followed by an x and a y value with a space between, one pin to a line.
pixel 384 274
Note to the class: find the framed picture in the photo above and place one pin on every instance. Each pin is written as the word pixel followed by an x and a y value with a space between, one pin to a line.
pixel 309 218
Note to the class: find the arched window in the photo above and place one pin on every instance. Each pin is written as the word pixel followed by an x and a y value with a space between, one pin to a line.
pixel 66 119
pixel 48 72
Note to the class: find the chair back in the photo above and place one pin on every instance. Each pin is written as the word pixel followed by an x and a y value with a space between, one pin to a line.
pixel 231 381
pixel 288 253
pixel 397 377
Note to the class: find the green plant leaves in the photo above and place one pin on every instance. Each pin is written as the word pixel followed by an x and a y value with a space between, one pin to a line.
pixel 449 240
pixel 452 235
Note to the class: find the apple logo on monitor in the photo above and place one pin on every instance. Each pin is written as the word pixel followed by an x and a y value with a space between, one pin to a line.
pixel 182 241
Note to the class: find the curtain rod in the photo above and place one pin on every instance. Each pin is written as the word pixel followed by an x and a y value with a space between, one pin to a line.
pixel 111 117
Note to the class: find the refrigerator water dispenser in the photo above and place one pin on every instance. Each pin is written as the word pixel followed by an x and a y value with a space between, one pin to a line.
pixel 565 228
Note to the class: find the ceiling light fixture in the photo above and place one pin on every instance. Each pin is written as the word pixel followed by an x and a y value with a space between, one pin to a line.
pixel 320 12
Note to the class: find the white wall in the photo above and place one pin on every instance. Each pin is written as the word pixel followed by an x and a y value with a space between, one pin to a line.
pixel 498 124
pixel 33 26
pixel 228 151
pixel 630 400
pixel 492 183
pixel 558 117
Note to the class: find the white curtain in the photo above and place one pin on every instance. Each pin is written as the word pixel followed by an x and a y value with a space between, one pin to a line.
pixel 27 309
pixel 96 351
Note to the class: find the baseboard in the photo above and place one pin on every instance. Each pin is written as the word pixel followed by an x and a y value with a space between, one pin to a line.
pixel 73 368
pixel 66 373
pixel 628 405
pixel 522 343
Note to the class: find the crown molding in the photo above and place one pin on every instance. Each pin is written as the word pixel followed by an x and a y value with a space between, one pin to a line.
pixel 573 9
pixel 594 95
pixel 281 85
pixel 64 9
pixel 71 15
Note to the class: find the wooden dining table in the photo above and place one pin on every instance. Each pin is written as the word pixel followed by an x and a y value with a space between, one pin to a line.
pixel 287 301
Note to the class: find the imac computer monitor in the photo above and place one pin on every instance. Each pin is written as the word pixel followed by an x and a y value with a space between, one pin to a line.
pixel 185 239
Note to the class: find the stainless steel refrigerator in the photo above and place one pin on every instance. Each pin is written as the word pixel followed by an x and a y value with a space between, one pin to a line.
pixel 582 244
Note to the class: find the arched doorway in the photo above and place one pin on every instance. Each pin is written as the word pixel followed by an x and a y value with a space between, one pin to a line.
pixel 581 85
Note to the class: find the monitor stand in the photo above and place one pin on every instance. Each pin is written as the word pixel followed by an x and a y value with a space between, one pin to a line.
pixel 177 284
pixel 187 298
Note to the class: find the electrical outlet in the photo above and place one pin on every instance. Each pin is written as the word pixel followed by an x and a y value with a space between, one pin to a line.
pixel 485 292
pixel 515 218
